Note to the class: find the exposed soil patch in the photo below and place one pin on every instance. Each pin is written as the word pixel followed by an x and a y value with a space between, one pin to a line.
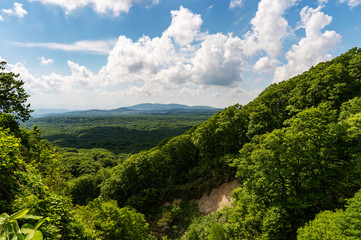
pixel 218 198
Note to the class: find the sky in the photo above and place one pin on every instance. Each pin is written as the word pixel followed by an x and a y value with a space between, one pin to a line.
pixel 84 54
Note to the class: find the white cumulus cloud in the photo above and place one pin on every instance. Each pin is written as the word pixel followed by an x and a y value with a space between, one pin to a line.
pixel 82 76
pixel 99 6
pixel 45 61
pixel 79 79
pixel 33 85
pixel 213 60
pixel 218 61
pixel 137 61
pixel 311 49
pixel 269 28
pixel 17 10
pixel 266 64
pixel 184 27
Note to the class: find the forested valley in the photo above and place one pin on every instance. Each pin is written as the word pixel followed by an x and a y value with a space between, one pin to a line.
pixel 295 151
pixel 118 134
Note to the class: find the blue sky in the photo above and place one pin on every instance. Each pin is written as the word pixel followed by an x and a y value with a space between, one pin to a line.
pixel 81 54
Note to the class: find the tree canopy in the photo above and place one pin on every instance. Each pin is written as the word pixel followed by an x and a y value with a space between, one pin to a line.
pixel 13 98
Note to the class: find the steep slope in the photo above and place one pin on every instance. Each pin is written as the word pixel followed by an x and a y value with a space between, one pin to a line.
pixel 294 150
pixel 302 154
pixel 200 153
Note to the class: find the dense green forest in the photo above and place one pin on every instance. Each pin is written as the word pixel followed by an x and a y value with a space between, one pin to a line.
pixel 118 134
pixel 295 150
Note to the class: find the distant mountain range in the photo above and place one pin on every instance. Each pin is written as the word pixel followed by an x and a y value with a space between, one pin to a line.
pixel 139 109
pixel 164 107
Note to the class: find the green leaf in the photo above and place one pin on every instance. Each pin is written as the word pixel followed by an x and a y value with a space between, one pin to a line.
pixel 19 214
pixel 27 216
pixel 3 218
pixel 38 224
pixel 38 236
pixel 30 234
pixel 27 228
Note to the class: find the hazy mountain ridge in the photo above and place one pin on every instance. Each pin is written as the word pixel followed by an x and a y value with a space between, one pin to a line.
pixel 141 109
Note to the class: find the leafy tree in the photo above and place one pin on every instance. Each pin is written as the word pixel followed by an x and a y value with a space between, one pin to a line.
pixel 294 171
pixel 350 107
pixel 8 122
pixel 335 225
pixel 217 232
pixel 323 227
pixel 261 120
pixel 105 220
pixel 13 97
pixel 222 134
pixel 135 180
pixel 10 164
pixel 87 187
pixel 350 221
pixel 182 158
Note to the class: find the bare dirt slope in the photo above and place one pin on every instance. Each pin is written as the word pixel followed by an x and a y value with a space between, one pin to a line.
pixel 218 198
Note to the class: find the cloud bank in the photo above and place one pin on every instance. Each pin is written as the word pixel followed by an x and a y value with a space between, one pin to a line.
pixel 99 6
pixel 182 57
pixel 188 61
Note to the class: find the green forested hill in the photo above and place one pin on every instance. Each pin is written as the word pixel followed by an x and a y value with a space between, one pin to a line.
pixel 295 151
